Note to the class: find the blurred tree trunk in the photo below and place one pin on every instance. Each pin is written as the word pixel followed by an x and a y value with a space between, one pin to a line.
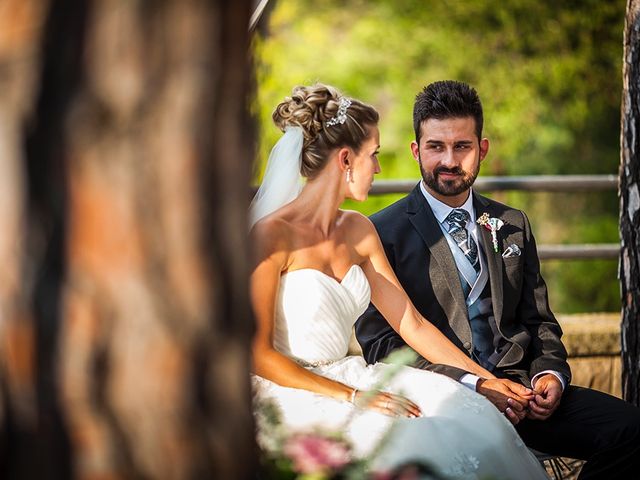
pixel 22 250
pixel 630 206
pixel 125 159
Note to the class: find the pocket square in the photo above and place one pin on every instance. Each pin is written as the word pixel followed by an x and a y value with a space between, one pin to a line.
pixel 512 251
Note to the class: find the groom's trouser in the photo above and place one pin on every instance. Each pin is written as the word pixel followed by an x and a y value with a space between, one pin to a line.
pixel 592 426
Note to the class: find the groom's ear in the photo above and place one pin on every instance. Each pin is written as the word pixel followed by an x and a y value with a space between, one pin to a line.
pixel 415 151
pixel 484 148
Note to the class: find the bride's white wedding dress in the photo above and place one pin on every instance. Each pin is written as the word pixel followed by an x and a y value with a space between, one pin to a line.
pixel 461 433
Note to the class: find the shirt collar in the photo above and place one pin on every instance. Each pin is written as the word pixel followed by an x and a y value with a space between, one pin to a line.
pixel 441 210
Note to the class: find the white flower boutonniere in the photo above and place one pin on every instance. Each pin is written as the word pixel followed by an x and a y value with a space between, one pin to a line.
pixel 493 225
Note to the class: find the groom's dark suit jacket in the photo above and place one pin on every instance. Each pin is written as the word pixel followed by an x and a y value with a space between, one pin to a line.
pixel 424 264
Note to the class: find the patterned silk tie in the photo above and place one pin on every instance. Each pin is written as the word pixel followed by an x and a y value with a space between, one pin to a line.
pixel 456 222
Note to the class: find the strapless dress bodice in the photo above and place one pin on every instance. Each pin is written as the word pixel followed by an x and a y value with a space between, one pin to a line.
pixel 315 313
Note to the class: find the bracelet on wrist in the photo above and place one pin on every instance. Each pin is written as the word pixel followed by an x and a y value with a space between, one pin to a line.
pixel 353 396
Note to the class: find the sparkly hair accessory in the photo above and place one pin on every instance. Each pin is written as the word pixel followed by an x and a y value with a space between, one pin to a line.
pixel 341 116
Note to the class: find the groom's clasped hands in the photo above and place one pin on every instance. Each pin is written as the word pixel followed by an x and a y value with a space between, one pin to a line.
pixel 509 397
pixel 548 391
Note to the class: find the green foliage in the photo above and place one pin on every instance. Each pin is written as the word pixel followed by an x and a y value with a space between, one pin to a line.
pixel 549 74
pixel 580 284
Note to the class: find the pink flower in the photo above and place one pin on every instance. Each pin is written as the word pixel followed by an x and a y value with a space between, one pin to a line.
pixel 312 453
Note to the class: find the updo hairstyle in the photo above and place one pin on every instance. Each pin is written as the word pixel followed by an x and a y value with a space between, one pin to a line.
pixel 311 108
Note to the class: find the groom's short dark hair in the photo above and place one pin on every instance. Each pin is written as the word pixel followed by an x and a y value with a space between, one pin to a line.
pixel 447 99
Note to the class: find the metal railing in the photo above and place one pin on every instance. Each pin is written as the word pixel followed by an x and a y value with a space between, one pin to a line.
pixel 535 183
pixel 529 183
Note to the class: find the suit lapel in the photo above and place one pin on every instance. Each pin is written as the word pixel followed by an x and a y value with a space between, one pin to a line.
pixel 494 260
pixel 424 221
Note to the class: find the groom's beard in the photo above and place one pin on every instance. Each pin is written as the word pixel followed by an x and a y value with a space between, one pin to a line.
pixel 449 187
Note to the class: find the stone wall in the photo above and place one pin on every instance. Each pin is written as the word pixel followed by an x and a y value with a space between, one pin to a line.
pixel 593 343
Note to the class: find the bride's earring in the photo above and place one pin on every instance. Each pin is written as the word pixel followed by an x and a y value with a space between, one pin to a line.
pixel 349 175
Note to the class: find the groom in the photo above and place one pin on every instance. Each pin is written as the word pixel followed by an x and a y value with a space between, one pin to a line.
pixel 471 267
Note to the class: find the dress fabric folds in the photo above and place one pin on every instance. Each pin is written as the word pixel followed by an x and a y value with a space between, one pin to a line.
pixel 460 433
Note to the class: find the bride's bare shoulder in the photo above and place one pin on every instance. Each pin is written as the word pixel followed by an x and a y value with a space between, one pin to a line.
pixel 272 233
pixel 356 222
pixel 360 233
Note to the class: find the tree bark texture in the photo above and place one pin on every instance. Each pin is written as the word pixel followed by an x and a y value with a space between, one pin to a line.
pixel 630 206
pixel 125 323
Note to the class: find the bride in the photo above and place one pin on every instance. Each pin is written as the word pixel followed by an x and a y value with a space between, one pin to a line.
pixel 317 267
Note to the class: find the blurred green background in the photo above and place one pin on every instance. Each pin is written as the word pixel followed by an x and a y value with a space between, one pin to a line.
pixel 549 76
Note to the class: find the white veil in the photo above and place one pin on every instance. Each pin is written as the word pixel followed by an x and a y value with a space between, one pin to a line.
pixel 282 182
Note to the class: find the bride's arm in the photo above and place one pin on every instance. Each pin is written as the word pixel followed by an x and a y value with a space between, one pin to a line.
pixel 391 300
pixel 273 253
pixel 273 256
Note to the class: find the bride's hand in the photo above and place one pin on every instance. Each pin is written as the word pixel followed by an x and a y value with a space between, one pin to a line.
pixel 387 403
